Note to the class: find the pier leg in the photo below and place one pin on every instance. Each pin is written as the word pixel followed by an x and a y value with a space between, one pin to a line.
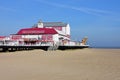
pixel 4 49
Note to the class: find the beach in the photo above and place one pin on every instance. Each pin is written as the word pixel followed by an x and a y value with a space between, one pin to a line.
pixel 80 64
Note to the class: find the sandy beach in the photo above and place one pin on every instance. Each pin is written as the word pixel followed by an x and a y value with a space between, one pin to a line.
pixel 81 64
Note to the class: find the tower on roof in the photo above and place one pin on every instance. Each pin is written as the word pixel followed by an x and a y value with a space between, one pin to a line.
pixel 40 24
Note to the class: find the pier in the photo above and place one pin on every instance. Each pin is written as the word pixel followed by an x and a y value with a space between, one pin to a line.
pixel 46 48
pixel 44 35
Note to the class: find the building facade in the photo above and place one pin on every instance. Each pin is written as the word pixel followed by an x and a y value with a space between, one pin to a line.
pixel 43 33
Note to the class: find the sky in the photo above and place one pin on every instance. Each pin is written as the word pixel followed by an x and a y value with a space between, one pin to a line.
pixel 99 20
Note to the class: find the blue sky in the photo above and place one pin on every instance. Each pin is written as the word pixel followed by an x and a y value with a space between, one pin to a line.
pixel 99 20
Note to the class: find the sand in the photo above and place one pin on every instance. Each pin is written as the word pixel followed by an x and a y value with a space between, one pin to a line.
pixel 82 64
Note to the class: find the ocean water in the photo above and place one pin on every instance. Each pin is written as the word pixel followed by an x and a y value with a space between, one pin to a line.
pixel 106 47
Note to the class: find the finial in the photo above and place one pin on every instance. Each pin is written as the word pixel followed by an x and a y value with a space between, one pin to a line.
pixel 40 21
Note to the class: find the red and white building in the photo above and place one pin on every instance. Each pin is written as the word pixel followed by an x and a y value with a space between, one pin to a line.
pixel 43 33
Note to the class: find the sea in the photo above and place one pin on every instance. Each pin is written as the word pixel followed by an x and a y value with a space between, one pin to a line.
pixel 106 47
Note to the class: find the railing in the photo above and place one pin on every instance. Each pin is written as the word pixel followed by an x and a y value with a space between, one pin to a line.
pixel 24 44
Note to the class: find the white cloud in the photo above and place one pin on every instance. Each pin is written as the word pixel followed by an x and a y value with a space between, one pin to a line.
pixel 90 11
